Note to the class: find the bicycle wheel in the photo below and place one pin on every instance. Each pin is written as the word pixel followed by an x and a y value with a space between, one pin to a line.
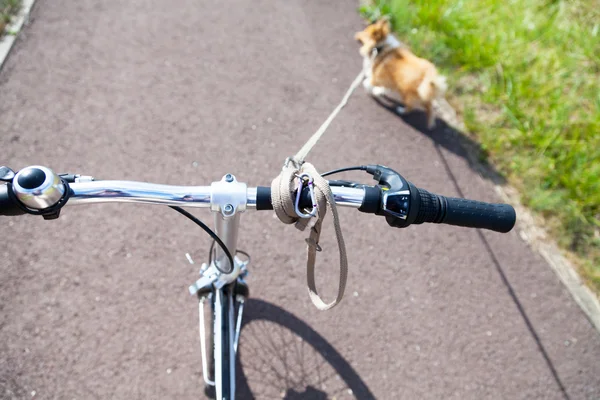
pixel 281 357
pixel 224 354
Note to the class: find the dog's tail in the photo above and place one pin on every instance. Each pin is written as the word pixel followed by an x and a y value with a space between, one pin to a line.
pixel 440 85
pixel 433 86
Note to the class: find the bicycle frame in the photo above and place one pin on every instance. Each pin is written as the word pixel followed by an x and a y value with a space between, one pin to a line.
pixel 227 199
pixel 38 190
pixel 45 193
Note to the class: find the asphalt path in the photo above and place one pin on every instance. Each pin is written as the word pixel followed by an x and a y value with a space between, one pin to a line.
pixel 95 305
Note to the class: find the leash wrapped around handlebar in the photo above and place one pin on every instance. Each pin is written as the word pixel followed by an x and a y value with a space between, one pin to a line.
pixel 285 185
pixel 283 188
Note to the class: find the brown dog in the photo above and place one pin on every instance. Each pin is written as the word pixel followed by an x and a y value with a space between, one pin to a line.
pixel 391 68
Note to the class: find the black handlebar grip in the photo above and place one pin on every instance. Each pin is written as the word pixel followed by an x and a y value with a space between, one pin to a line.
pixel 430 207
pixel 463 212
pixel 477 214
pixel 8 204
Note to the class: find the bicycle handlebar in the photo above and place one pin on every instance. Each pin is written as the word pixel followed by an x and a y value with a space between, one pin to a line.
pixel 401 202
pixel 440 209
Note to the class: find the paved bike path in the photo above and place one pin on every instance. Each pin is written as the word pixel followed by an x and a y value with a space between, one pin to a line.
pixel 95 305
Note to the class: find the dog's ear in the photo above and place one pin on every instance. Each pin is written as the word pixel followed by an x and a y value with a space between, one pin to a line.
pixel 384 25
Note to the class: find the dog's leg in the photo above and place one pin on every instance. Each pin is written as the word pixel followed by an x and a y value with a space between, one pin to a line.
pixel 410 104
pixel 373 90
pixel 430 116
pixel 407 108
pixel 378 91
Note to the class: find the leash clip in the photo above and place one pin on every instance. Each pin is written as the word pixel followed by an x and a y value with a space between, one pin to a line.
pixel 309 183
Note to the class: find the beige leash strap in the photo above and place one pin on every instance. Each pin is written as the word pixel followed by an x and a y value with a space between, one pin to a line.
pixel 282 190
pixel 286 184
pixel 301 155
pixel 324 199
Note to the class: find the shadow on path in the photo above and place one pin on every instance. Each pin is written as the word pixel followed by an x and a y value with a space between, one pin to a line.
pixel 445 136
pixel 280 356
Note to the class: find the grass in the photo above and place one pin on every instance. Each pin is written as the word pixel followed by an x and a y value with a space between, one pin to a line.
pixel 8 8
pixel 526 76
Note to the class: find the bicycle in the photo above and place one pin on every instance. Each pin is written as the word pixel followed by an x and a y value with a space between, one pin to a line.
pixel 38 190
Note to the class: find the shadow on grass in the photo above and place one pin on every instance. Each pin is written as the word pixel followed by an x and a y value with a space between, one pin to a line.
pixel 448 138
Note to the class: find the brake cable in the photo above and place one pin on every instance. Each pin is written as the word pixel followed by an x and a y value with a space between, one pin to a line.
pixel 212 234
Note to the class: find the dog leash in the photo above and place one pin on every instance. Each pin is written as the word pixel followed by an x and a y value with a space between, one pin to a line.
pixel 292 178
pixel 303 152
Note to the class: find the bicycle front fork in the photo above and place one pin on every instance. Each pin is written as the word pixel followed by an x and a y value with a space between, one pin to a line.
pixel 226 303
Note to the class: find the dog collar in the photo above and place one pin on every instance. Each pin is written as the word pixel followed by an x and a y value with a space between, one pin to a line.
pixel 389 43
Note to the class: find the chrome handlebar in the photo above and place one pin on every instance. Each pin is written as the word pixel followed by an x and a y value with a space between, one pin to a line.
pixel 183 196
pixel 39 188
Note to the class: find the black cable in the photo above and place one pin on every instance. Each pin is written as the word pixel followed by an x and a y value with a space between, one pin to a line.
pixel 211 253
pixel 244 253
pixel 351 184
pixel 337 171
pixel 211 234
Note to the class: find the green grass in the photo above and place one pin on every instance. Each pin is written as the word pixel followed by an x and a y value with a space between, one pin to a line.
pixel 526 76
pixel 8 8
